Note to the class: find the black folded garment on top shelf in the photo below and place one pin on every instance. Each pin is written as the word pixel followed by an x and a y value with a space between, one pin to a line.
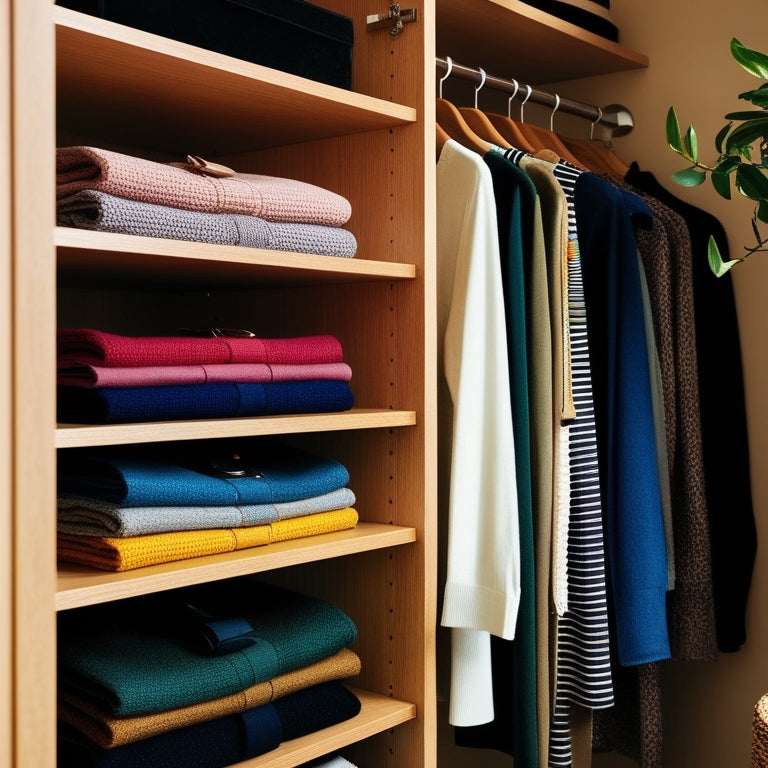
pixel 290 35
pixel 592 15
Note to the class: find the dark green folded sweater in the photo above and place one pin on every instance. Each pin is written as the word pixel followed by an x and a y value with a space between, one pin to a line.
pixel 138 657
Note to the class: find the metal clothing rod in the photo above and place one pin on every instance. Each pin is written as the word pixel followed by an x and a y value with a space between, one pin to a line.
pixel 614 118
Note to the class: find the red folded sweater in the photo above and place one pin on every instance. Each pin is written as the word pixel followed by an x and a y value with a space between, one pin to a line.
pixel 86 346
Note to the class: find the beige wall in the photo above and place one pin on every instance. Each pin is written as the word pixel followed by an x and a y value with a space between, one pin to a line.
pixel 709 707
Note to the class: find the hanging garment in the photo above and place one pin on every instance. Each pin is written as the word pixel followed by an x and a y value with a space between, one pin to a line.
pixel 268 197
pixel 514 728
pixel 477 493
pixel 552 485
pixel 107 731
pixel 691 609
pixel 582 669
pixel 624 418
pixel 101 212
pixel 733 536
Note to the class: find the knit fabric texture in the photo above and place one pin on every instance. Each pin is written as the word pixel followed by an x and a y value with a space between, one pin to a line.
pixel 102 212
pixel 624 419
pixel 115 405
pixel 136 657
pixel 186 475
pixel 733 537
pixel 691 604
pixel 115 554
pixel 89 517
pixel 161 375
pixel 269 197
pixel 86 346
pixel 108 731
pixel 760 733
pixel 227 740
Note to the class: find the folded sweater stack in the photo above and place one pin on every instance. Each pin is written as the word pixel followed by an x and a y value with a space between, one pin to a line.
pixel 201 677
pixel 110 378
pixel 107 191
pixel 134 506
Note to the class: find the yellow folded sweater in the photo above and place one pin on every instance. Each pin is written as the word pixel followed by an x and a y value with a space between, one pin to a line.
pixel 123 554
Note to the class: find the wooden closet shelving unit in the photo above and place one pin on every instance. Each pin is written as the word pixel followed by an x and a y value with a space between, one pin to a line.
pixel 74 79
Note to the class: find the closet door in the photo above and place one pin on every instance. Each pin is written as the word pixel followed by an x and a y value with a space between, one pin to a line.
pixel 136 93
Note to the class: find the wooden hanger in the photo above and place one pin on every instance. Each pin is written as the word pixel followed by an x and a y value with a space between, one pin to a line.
pixel 598 157
pixel 541 138
pixel 440 138
pixel 478 121
pixel 509 129
pixel 452 122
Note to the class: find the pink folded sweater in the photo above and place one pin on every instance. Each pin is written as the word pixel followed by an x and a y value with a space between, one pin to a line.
pixel 269 197
pixel 93 376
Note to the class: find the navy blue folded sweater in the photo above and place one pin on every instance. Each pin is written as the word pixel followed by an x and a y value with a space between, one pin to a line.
pixel 113 405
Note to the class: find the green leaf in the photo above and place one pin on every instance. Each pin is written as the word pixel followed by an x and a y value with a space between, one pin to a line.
pixel 716 263
pixel 748 114
pixel 690 177
pixel 691 144
pixel 762 211
pixel 759 96
pixel 751 182
pixel 673 132
pixel 744 134
pixel 727 164
pixel 722 183
pixel 720 138
pixel 754 62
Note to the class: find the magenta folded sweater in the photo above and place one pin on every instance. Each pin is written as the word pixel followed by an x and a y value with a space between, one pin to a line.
pixel 86 346
pixel 93 376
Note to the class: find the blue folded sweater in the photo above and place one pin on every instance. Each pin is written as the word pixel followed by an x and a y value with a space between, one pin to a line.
pixel 248 471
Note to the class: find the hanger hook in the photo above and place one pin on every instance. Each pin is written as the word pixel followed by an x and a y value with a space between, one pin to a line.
pixel 512 97
pixel 527 96
pixel 552 116
pixel 592 125
pixel 448 70
pixel 482 83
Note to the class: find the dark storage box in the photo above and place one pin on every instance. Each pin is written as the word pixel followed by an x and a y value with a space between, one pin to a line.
pixel 291 35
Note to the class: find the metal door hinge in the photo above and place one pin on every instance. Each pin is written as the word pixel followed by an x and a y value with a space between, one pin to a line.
pixel 395 19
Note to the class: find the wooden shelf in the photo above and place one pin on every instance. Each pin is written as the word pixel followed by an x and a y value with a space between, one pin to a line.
pixel 509 38
pixel 86 435
pixel 378 713
pixel 79 586
pixel 107 258
pixel 161 93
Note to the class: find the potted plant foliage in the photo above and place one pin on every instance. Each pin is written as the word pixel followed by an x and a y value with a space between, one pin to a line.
pixel 737 164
